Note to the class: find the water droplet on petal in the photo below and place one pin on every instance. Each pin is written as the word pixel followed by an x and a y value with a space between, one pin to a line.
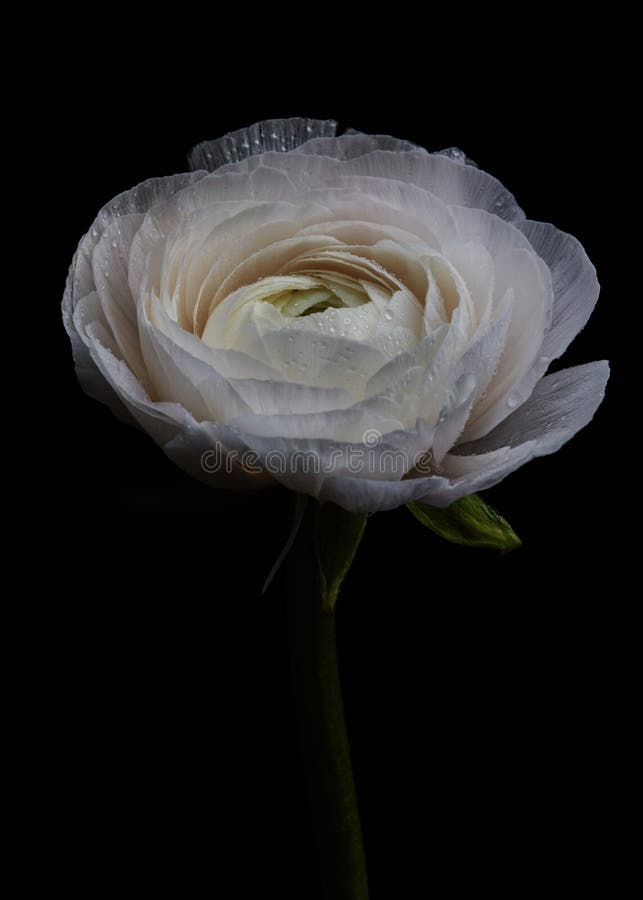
pixel 388 315
pixel 512 401
pixel 114 245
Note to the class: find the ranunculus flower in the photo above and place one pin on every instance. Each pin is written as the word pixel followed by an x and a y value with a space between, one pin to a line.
pixel 362 320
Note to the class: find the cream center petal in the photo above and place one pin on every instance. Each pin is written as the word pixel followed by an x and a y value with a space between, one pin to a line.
pixel 319 325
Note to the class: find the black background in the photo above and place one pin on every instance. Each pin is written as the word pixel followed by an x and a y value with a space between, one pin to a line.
pixel 486 698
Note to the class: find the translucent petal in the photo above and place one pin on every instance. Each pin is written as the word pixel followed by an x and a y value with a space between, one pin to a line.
pixel 283 398
pixel 353 144
pixel 370 495
pixel 475 266
pixel 80 282
pixel 179 377
pixel 90 377
pixel 110 270
pixel 272 134
pixel 454 416
pixel 574 283
pixel 523 274
pixel 560 405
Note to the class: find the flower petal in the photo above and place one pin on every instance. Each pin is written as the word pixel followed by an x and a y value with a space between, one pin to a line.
pixel 353 144
pixel 272 134
pixel 574 283
pixel 368 495
pixel 110 268
pixel 560 405
pixel 522 275
pixel 80 281
pixel 451 181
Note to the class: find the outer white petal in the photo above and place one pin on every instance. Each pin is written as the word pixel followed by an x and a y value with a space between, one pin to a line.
pixel 463 475
pixel 558 408
pixel 353 144
pixel 181 437
pixel 574 282
pixel 412 211
pixel 179 377
pixel 81 278
pixel 273 134
pixel 454 183
pixel 521 275
pixel 560 405
pixel 90 377
pixel 341 425
pixel 481 227
pixel 307 463
pixel 110 261
pixel 470 380
pixel 367 495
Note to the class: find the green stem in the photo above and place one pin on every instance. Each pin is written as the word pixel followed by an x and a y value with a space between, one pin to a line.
pixel 320 709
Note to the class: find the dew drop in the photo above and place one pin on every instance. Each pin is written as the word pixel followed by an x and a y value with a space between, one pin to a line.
pixel 114 245
pixel 347 320
pixel 388 315
pixel 512 402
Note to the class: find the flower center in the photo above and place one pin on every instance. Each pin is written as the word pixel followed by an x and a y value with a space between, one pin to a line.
pixel 311 292
pixel 292 319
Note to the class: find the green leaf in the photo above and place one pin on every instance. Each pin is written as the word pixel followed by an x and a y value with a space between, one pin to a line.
pixel 470 522
pixel 337 537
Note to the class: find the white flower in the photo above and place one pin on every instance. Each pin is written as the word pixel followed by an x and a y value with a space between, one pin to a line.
pixel 328 306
